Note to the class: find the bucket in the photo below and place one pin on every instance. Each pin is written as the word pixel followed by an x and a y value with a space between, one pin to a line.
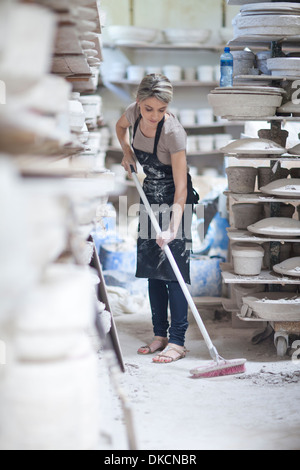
pixel 206 277
pixel 247 259
pixel 118 256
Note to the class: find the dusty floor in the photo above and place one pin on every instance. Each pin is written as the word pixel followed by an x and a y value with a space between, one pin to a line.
pixel 172 411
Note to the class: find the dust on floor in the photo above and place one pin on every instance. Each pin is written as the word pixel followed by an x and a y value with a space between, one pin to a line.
pixel 171 411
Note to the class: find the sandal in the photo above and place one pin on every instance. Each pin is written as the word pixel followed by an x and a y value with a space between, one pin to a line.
pixel 181 355
pixel 160 345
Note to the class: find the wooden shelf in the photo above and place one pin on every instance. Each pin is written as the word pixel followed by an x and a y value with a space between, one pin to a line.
pixel 263 118
pixel 182 83
pixel 244 236
pixel 260 198
pixel 165 47
pixel 215 153
pixel 282 158
pixel 270 78
pixel 264 41
pixel 216 125
pixel 265 277
pixel 212 153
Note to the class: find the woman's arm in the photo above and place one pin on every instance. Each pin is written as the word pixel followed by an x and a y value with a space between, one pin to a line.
pixel 122 131
pixel 179 167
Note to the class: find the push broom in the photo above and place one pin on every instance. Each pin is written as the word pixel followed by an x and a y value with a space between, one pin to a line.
pixel 219 366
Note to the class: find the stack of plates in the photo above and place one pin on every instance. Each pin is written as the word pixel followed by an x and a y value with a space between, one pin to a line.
pixel 270 8
pixel 187 37
pixel 123 35
pixel 279 19
pixel 245 101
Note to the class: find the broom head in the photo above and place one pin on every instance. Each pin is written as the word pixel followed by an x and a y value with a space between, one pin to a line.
pixel 219 369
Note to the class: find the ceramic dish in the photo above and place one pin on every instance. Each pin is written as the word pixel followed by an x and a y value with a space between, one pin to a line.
pixel 244 105
pixel 282 8
pixel 276 227
pixel 289 267
pixel 252 146
pixel 275 306
pixel 187 36
pixel 248 88
pixel 294 150
pixel 132 33
pixel 283 187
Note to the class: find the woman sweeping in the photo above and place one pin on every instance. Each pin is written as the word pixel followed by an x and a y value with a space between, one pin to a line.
pixel 159 145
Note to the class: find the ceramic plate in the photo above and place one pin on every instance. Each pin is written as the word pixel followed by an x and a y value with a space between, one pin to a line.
pixel 253 89
pixel 275 7
pixel 289 267
pixel 276 227
pixel 274 306
pixel 289 187
pixel 253 147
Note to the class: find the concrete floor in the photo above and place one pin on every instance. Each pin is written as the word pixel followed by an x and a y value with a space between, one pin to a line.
pixel 171 411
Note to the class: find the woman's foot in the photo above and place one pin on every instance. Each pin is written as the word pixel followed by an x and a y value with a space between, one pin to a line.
pixel 158 344
pixel 171 353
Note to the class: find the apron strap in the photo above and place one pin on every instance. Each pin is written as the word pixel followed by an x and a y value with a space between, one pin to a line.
pixel 136 126
pixel 158 134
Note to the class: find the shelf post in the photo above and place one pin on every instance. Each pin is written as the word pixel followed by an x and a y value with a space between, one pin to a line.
pixel 276 49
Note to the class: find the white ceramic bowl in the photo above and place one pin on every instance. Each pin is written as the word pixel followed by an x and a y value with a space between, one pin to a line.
pixel 131 33
pixel 187 36
pixel 244 105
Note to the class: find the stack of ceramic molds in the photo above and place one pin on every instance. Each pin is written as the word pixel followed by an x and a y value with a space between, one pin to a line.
pixel 30 120
pixel 77 53
pixel 49 392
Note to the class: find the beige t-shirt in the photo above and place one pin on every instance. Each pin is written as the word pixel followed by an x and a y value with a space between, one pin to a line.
pixel 172 140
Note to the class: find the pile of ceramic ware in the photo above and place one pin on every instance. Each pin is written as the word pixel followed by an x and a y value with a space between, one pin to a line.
pixel 277 20
pixel 245 101
pixel 127 35
pixel 51 198
pixel 123 35
pixel 187 37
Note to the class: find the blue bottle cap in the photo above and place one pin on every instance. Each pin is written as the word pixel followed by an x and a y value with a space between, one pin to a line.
pixel 227 49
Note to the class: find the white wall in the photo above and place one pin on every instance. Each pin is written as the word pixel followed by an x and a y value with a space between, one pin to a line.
pixel 169 13
pixel 162 14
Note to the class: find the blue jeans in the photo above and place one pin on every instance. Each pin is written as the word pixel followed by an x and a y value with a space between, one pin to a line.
pixel 162 293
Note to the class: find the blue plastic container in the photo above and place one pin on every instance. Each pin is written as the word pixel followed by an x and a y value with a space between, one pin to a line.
pixel 114 258
pixel 206 277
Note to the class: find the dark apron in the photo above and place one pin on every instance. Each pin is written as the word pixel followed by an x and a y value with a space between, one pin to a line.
pixel 159 187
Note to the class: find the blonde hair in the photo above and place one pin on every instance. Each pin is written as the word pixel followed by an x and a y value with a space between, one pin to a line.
pixel 157 86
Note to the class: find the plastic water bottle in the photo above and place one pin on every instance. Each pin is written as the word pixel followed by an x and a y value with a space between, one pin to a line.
pixel 226 68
